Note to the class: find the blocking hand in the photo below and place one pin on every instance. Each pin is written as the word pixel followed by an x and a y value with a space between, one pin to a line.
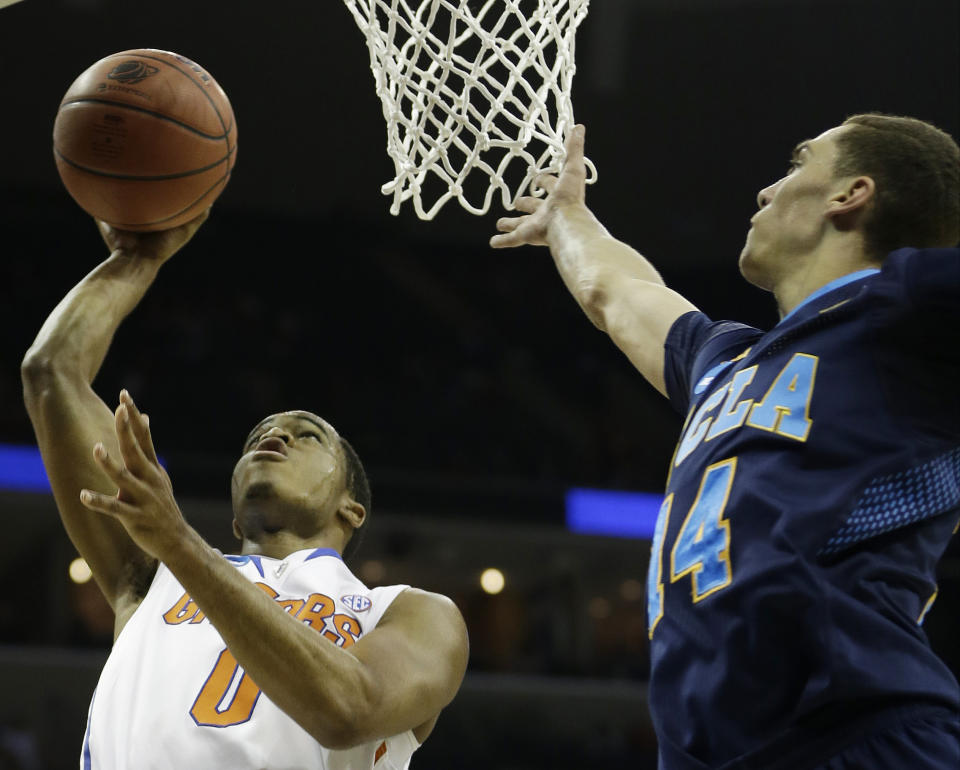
pixel 569 188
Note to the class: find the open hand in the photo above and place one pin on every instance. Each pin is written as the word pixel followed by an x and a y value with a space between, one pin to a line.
pixel 144 504
pixel 159 245
pixel 569 188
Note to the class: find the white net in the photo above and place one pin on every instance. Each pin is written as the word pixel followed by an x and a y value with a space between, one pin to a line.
pixel 476 95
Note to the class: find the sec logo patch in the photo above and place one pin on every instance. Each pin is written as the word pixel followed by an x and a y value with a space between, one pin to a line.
pixel 356 603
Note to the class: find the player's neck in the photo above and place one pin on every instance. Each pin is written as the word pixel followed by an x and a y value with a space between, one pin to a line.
pixel 833 260
pixel 279 545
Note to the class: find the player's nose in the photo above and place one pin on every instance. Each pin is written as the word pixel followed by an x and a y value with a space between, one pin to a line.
pixel 764 196
pixel 277 432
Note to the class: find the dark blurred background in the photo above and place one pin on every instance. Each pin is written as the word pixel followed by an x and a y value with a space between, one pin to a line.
pixel 467 378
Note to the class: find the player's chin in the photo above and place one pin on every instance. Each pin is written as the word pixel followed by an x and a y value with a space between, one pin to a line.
pixel 751 270
pixel 258 489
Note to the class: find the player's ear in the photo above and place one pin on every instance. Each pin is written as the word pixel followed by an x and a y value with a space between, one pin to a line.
pixel 352 512
pixel 237 532
pixel 851 199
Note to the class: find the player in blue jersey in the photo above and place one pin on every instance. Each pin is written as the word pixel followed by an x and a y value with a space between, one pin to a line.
pixel 816 482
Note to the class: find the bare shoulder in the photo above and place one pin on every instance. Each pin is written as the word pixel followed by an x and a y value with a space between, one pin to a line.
pixel 416 599
pixel 420 628
pixel 425 608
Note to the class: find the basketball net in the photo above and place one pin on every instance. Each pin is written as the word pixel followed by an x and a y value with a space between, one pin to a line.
pixel 476 95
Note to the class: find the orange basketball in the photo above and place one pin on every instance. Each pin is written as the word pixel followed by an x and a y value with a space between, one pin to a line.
pixel 145 140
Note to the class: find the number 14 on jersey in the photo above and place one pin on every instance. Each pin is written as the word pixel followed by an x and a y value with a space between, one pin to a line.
pixel 702 546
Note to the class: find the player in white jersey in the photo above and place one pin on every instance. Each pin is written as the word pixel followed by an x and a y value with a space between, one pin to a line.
pixel 276 658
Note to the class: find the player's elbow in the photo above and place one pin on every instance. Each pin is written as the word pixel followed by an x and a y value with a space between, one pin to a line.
pixel 336 738
pixel 348 720
pixel 46 382
pixel 327 727
pixel 36 374
pixel 349 728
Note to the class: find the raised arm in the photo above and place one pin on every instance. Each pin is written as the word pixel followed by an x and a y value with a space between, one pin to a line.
pixel 69 418
pixel 618 289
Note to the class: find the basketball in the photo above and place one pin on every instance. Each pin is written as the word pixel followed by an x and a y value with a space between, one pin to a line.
pixel 145 140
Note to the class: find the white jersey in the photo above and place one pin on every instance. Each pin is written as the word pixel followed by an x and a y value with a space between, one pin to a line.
pixel 172 697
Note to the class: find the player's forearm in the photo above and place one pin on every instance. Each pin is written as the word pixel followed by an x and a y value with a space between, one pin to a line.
pixel 78 333
pixel 593 264
pixel 318 684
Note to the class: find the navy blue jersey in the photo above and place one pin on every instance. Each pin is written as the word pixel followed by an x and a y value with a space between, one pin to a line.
pixel 814 488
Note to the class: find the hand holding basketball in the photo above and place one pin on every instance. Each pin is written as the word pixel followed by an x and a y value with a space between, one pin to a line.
pixel 159 246
pixel 567 189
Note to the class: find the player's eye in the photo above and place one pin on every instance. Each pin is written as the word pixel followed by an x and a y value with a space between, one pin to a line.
pixel 312 435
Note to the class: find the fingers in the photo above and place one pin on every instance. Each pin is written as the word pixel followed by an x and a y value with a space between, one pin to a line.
pixel 187 230
pixel 140 427
pixel 508 224
pixel 106 232
pixel 203 217
pixel 131 471
pixel 114 238
pixel 127 484
pixel 107 504
pixel 136 446
pixel 178 237
pixel 575 143
pixel 574 170
pixel 528 204
pixel 133 457
pixel 570 184
pixel 147 441
pixel 546 182
pixel 505 241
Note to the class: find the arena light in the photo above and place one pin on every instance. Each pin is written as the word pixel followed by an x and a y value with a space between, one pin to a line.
pixel 599 608
pixel 632 590
pixel 80 571
pixel 373 571
pixel 492 580
pixel 612 512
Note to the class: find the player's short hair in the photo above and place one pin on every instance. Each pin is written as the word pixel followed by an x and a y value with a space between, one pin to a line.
pixel 916 169
pixel 359 487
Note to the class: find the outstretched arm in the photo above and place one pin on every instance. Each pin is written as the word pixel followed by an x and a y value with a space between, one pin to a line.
pixel 396 677
pixel 618 289
pixel 68 417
